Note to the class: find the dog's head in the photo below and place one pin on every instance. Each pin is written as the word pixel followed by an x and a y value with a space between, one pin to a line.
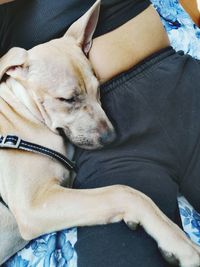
pixel 60 78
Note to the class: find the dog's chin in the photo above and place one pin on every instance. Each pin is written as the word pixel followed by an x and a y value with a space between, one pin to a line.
pixel 83 143
pixel 88 146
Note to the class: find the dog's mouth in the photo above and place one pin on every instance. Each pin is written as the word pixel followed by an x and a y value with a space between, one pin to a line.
pixel 97 141
pixel 60 131
pixel 79 141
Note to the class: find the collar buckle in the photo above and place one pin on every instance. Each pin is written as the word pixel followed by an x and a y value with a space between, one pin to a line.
pixel 10 141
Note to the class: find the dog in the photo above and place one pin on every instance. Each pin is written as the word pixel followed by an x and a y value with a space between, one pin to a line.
pixel 49 89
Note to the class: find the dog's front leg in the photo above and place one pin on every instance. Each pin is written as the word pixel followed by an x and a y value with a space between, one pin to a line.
pixel 57 208
pixel 61 208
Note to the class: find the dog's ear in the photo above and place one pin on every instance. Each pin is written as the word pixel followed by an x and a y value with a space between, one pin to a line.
pixel 83 29
pixel 13 63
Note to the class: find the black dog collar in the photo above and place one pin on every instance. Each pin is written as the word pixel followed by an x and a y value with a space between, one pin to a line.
pixel 14 142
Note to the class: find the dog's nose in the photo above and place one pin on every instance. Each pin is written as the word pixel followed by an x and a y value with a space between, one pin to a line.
pixel 107 137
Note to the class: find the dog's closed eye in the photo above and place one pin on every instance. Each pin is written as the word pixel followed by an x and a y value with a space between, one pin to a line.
pixel 70 100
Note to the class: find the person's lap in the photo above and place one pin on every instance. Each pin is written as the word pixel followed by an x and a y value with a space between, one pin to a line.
pixel 145 155
pixel 115 245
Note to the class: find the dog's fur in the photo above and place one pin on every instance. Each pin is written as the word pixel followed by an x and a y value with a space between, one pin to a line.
pixel 52 87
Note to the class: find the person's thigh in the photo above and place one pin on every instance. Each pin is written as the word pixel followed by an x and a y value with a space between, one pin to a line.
pixel 144 157
pixel 116 245
pixel 190 179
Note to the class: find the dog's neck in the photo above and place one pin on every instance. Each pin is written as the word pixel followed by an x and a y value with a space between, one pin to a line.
pixel 19 98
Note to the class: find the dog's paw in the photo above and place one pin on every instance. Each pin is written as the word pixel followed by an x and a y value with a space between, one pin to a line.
pixel 182 253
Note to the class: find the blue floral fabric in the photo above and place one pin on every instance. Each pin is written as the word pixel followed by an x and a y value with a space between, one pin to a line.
pixel 183 33
pixel 57 249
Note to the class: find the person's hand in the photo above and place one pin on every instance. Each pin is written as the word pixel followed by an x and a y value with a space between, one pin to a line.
pixel 5 1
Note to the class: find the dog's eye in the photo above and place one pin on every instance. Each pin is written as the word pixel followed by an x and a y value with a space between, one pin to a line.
pixel 67 100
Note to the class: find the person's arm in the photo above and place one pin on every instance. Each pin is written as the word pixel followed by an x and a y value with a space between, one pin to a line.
pixel 5 1
pixel 193 9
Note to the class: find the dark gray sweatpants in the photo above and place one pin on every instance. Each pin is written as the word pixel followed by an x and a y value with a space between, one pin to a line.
pixel 155 108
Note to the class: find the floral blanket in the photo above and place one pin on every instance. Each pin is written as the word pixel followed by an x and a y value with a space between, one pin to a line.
pixel 56 249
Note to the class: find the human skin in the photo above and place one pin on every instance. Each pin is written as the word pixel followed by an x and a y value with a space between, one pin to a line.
pixel 5 1
pixel 193 9
pixel 124 47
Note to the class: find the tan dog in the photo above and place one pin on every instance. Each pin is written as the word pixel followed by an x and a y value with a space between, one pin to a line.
pixel 52 87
